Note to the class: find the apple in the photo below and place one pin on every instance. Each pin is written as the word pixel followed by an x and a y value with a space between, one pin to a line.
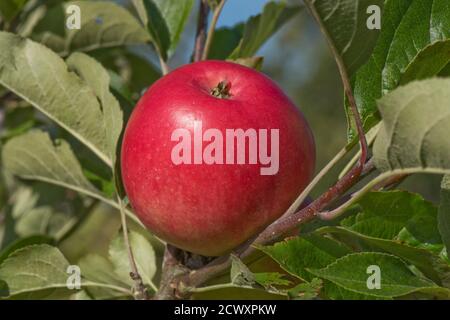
pixel 213 153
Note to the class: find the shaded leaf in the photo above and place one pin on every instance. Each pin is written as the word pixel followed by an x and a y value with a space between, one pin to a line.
pixel 225 40
pixel 345 25
pixel 35 156
pixel 10 8
pixel 98 269
pixel 103 24
pixel 252 62
pixel 258 29
pixel 428 62
pixel 165 21
pixel 23 242
pixel 144 256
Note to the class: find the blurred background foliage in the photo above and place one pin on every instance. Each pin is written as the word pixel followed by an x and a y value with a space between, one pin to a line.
pixel 297 58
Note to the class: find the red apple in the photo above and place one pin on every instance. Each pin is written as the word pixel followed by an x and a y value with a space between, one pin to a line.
pixel 177 169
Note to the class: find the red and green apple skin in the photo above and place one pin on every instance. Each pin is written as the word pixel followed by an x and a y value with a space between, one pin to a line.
pixel 209 209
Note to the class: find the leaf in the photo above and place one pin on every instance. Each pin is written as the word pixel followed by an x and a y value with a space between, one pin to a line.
pixel 385 214
pixel 428 62
pixel 144 256
pixel 225 40
pixel 98 269
pixel 345 26
pixel 408 28
pixel 240 274
pixel 98 79
pixel 268 279
pixel 10 8
pixel 36 271
pixel 23 242
pixel 306 291
pixel 40 77
pixel 444 213
pixel 252 62
pixel 296 254
pixel 350 272
pixel 258 29
pixel 35 156
pixel 431 265
pixel 414 134
pixel 104 24
pixel 165 21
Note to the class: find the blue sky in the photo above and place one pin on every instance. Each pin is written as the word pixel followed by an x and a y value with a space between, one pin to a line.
pixel 236 11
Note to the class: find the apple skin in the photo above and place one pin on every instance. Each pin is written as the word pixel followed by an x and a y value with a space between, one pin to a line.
pixel 209 209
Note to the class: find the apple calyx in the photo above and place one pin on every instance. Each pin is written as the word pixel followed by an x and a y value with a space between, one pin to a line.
pixel 222 90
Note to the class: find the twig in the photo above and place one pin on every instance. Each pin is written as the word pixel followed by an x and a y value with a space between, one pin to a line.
pixel 347 88
pixel 212 27
pixel 139 290
pixel 281 226
pixel 164 66
pixel 315 181
pixel 329 215
pixel 201 30
pixel 172 268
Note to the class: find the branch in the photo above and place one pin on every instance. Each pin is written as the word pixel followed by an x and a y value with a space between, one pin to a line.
pixel 347 89
pixel 201 30
pixel 171 269
pixel 315 181
pixel 211 29
pixel 139 290
pixel 280 227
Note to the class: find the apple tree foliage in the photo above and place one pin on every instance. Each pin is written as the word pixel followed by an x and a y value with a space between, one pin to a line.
pixel 66 93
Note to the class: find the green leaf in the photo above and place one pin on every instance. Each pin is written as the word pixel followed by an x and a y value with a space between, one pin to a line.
pixel 429 62
pixel 296 254
pixel 268 279
pixel 36 271
pixel 385 214
pixel 104 24
pixel 144 256
pixel 408 28
pixel 350 272
pixel 23 242
pixel 431 265
pixel 10 8
pixel 444 213
pixel 345 26
pixel 35 156
pixel 225 40
pixel 252 62
pixel 413 134
pixel 260 28
pixel 98 269
pixel 240 274
pixel 40 77
pixel 165 21
pixel 98 79
pixel 306 291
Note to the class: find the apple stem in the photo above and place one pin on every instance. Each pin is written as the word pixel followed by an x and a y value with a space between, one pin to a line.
pixel 222 90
